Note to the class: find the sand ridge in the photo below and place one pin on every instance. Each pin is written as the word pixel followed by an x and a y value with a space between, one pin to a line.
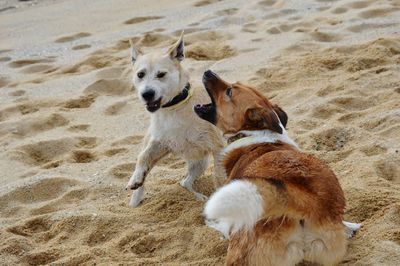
pixel 71 124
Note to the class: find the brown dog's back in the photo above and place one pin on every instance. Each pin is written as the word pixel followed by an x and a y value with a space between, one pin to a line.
pixel 303 208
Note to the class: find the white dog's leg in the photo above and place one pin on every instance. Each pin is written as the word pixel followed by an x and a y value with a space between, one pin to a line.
pixel 351 228
pixel 136 197
pixel 195 169
pixel 146 160
pixel 219 170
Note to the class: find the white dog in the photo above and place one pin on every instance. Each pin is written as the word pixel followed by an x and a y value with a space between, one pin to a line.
pixel 164 87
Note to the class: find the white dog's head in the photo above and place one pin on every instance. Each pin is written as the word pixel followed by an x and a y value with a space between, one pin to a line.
pixel 158 76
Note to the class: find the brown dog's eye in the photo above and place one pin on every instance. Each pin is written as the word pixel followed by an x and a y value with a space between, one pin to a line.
pixel 161 74
pixel 229 92
pixel 141 74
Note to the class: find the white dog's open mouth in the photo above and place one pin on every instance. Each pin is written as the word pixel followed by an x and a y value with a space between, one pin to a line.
pixel 153 105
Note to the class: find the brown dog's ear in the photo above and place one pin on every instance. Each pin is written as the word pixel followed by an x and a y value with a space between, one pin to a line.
pixel 262 118
pixel 281 114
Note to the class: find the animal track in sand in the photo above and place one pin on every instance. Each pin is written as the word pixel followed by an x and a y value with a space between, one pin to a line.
pixel 73 37
pixel 47 230
pixel 359 4
pixel 251 27
pixel 273 30
pixel 377 12
pixel 18 110
pixel 352 103
pixel 388 168
pixel 78 128
pixel 382 122
pixel 4 81
pixel 17 93
pixel 325 37
pixel 5 59
pixel 83 156
pixel 130 140
pixel 39 68
pixel 339 10
pixel 267 2
pixel 33 125
pixel 150 39
pixel 117 151
pixel 146 245
pixel 27 62
pixel 110 87
pixel 188 31
pixel 51 153
pixel 117 108
pixel 94 61
pixel 122 171
pixel 108 232
pixel 204 51
pixel 368 202
pixel 331 139
pixel 42 152
pixel 373 149
pixel 257 40
pixel 87 142
pixel 39 191
pixel 33 226
pixel 227 12
pixel 368 26
pixel 204 36
pixel 81 46
pixel 141 19
pixel 81 102
pixel 330 89
pixel 205 3
pixel 326 111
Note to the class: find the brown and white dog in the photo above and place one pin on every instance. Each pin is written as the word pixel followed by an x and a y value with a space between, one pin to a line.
pixel 279 206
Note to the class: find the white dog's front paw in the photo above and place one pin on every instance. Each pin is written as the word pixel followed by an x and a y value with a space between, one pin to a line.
pixel 134 183
pixel 137 197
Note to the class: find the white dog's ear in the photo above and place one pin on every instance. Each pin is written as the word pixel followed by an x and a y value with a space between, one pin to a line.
pixel 135 52
pixel 177 50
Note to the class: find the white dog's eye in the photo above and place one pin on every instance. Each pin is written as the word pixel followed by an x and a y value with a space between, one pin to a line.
pixel 161 74
pixel 228 92
pixel 141 74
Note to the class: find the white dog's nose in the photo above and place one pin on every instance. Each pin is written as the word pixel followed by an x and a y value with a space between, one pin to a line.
pixel 148 95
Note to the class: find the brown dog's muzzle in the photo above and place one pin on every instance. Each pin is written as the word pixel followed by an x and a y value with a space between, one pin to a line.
pixel 208 112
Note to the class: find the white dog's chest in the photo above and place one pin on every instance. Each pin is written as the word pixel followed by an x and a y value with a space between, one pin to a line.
pixel 184 138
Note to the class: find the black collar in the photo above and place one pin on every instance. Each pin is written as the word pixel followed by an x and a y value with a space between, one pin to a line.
pixel 178 98
pixel 236 137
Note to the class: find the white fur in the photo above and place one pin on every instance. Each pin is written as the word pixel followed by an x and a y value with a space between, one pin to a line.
pixel 260 136
pixel 173 130
pixel 235 206
pixel 268 136
pixel 351 228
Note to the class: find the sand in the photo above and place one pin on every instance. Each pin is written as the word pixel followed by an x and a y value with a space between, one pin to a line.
pixel 71 124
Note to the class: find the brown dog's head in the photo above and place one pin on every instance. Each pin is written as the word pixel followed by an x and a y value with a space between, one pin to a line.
pixel 235 107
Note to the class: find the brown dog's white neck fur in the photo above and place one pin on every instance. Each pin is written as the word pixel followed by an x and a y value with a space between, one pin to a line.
pixel 260 136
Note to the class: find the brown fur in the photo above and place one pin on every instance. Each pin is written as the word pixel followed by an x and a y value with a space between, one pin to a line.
pixel 304 203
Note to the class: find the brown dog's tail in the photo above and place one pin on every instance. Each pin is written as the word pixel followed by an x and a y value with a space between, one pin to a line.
pixel 241 203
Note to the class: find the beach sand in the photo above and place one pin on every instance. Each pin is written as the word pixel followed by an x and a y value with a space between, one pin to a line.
pixel 71 124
